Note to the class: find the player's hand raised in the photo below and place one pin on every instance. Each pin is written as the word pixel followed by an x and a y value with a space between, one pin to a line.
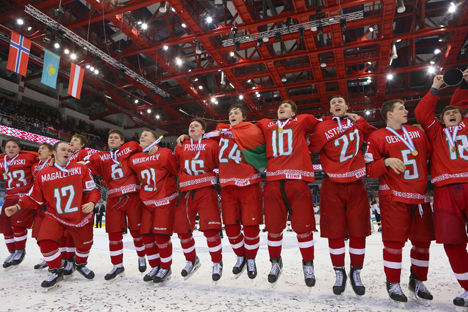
pixel 438 81
pixel 9 211
pixel 396 164
pixel 153 150
pixel 88 207
pixel 181 139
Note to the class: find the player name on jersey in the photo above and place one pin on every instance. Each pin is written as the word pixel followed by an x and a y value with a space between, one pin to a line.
pixel 145 159
pixel 15 162
pixel 107 156
pixel 60 174
pixel 194 147
pixel 394 139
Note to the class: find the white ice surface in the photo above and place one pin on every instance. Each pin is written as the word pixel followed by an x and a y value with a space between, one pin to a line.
pixel 20 288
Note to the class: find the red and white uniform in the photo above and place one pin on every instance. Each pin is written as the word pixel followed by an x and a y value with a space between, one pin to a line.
pixel 158 189
pixel 411 186
pixel 18 178
pixel 82 154
pixel 289 170
pixel 449 173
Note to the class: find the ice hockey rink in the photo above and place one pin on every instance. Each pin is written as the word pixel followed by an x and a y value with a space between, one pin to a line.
pixel 20 287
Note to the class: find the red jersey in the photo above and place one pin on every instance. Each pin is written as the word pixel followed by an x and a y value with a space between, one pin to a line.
pixel 39 166
pixel 63 193
pixel 118 175
pixel 157 176
pixel 340 154
pixel 197 172
pixel 286 148
pixel 81 154
pixel 447 166
pixel 460 98
pixel 17 173
pixel 410 186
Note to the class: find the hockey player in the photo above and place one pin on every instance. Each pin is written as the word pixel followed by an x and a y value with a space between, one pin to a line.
pixel 123 199
pixel 62 187
pixel 344 205
pixel 15 168
pixel 45 155
pixel 286 191
pixel 197 158
pixel 398 154
pixel 159 194
pixel 449 174
pixel 80 152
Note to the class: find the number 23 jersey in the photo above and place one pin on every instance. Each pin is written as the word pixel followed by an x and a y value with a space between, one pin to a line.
pixel 410 186
pixel 19 178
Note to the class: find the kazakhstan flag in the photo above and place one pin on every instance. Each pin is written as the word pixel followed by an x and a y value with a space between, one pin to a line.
pixel 50 69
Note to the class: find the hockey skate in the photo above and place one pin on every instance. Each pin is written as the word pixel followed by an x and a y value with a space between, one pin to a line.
pixel 356 283
pixel 152 274
pixel 69 267
pixel 162 276
pixel 309 274
pixel 40 266
pixel 276 266
pixel 396 294
pixel 461 302
pixel 141 264
pixel 341 279
pixel 18 257
pixel 116 273
pixel 240 267
pixel 8 263
pixel 56 275
pixel 419 292
pixel 190 268
pixel 217 271
pixel 251 268
pixel 83 270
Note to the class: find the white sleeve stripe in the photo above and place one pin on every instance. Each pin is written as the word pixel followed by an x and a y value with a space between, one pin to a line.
pixel 432 123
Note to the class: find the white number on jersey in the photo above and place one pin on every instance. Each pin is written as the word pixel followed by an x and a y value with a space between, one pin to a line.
pixel 461 148
pixel 353 136
pixel 409 162
pixel 20 176
pixel 191 166
pixel 282 142
pixel 149 175
pixel 62 192
pixel 235 154
pixel 117 172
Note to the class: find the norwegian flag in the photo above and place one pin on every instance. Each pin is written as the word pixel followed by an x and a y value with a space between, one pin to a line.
pixel 76 80
pixel 19 54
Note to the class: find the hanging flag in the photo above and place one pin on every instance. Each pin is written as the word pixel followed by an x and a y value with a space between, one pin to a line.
pixel 50 69
pixel 19 54
pixel 52 132
pixel 76 80
pixel 63 135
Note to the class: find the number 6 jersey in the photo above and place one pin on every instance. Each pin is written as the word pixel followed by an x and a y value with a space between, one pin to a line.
pixel 409 187
pixel 340 154
pixel 197 161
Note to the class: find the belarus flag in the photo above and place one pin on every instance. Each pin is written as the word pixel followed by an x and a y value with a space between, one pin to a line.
pixel 19 54
pixel 76 80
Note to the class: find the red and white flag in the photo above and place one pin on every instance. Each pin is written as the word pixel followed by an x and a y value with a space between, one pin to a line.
pixel 19 54
pixel 76 80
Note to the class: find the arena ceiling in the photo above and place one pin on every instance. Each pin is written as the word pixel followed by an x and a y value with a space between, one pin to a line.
pixel 206 55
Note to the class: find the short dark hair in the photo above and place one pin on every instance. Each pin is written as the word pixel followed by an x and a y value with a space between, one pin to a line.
pixel 449 107
pixel 388 106
pixel 293 105
pixel 152 132
pixel 338 96
pixel 200 121
pixel 82 139
pixel 120 133
pixel 47 145
pixel 240 107
pixel 55 147
pixel 14 141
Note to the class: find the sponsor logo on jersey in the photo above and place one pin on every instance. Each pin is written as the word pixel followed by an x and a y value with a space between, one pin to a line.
pixel 242 182
pixel 393 139
pixel 145 159
pixel 361 173
pixel 293 176
pixel 368 157
pixel 213 222
pixel 59 174
pixel 194 147
pixel 159 229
